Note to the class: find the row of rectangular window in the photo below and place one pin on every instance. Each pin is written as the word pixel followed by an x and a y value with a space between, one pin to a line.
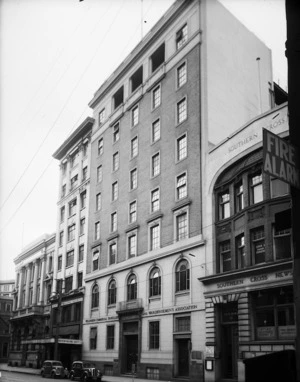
pixel 136 80
pixel 155 129
pixel 239 259
pixel 277 188
pixel 154 235
pixel 74 182
pixel 69 283
pixel 182 324
pixel 70 257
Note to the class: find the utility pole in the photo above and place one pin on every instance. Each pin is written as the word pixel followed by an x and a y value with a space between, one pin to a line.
pixel 58 318
pixel 293 60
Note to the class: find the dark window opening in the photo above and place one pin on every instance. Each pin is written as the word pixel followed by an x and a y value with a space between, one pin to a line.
pixel 137 79
pixel 118 97
pixel 158 57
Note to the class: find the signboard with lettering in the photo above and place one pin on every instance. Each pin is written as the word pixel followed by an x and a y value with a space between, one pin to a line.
pixel 280 159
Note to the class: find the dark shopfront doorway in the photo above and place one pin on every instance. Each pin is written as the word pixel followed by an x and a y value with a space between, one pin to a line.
pixel 229 341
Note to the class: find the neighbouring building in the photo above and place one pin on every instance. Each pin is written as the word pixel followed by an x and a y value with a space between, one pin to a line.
pixel 69 264
pixel 6 304
pixel 30 321
pixel 248 271
pixel 7 287
pixel 191 82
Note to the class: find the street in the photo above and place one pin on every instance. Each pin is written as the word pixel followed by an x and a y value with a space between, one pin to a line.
pixel 19 377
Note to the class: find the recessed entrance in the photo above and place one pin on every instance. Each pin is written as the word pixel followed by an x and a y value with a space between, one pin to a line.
pixel 183 357
pixel 131 346
pixel 229 341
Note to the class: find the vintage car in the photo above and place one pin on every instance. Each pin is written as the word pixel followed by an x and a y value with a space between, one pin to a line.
pixel 53 369
pixel 85 371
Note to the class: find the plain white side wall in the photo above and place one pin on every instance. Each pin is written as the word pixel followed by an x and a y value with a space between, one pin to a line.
pixel 232 72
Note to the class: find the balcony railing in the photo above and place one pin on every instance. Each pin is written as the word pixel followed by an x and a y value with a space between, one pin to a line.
pixel 129 305
pixel 31 310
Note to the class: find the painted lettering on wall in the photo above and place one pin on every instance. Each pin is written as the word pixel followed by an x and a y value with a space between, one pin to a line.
pixel 243 142
pixel 229 283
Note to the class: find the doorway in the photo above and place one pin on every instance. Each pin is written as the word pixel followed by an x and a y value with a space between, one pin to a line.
pixel 183 357
pixel 229 351
pixel 131 352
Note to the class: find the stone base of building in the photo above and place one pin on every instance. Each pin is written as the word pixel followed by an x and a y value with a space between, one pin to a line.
pixel 163 372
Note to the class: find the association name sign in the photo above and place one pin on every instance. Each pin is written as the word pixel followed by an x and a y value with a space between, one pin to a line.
pixel 280 159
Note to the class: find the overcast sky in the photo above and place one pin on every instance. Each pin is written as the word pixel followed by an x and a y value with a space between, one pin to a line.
pixel 54 54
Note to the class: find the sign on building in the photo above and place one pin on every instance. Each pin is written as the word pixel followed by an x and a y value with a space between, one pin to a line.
pixel 280 159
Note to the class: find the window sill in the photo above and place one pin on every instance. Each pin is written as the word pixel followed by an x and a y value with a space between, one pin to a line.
pixel 182 293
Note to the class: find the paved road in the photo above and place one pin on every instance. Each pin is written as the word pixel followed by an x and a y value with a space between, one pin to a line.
pixel 8 376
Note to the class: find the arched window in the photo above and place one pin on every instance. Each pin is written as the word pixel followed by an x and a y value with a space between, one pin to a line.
pixel 112 293
pixel 182 276
pixel 131 288
pixel 155 282
pixel 95 296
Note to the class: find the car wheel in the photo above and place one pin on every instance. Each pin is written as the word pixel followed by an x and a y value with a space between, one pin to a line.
pixel 43 375
pixel 85 378
pixel 53 376
pixel 72 377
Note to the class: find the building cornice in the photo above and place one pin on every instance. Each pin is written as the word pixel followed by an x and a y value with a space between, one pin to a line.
pixel 84 128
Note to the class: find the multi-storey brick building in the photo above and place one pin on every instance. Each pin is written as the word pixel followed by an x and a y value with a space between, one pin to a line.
pixel 71 248
pixel 189 83
pixel 30 321
pixel 248 266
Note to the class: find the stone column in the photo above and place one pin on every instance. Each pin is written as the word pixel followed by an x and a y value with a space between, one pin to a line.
pixel 41 296
pixel 35 281
pixel 29 267
pixel 20 288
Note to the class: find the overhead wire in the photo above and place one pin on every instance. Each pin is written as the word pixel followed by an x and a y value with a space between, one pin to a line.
pixel 63 108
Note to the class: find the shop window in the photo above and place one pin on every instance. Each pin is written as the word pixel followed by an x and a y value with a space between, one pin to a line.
pixel 132 288
pixel 258 245
pixel 155 282
pixel 282 243
pixel 95 297
pixel 158 57
pixel 274 316
pixel 154 335
pixel 256 188
pixel 136 79
pixel 152 373
pixel 182 275
pixel 112 293
pixel 224 205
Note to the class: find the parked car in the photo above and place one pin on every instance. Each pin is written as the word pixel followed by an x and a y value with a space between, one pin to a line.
pixel 53 369
pixel 85 371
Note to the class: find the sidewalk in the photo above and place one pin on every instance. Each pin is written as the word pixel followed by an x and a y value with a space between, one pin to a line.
pixel 105 378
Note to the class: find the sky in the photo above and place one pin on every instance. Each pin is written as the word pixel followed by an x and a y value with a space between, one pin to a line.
pixel 54 55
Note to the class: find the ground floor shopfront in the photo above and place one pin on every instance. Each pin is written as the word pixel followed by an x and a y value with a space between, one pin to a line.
pixel 248 314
